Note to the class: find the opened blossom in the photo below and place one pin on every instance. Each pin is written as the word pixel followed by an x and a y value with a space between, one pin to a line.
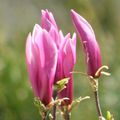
pixel 50 57
pixel 88 40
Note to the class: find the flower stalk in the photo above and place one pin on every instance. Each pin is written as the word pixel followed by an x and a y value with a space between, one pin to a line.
pixel 94 84
pixel 54 107
pixel 66 112
pixel 98 104
pixel 54 112
pixel 66 115
pixel 43 115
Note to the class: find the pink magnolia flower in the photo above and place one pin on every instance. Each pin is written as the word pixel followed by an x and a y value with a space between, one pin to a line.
pixel 50 57
pixel 41 57
pixel 91 47
pixel 66 47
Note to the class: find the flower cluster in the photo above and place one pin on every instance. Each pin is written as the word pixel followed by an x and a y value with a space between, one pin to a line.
pixel 51 57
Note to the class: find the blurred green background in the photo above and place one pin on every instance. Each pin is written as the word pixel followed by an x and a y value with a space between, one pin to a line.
pixel 17 18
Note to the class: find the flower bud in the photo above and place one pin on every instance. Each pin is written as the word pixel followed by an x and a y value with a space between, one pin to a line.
pixel 88 40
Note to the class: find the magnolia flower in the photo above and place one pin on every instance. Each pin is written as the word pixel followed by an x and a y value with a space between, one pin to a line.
pixel 41 57
pixel 66 47
pixel 50 57
pixel 91 47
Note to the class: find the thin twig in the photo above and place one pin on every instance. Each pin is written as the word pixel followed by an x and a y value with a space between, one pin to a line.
pixel 97 103
pixel 44 115
pixel 54 107
pixel 66 115
pixel 54 112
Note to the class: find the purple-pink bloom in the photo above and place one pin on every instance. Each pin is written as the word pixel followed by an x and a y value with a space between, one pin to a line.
pixel 66 47
pixel 91 47
pixel 41 57
pixel 50 57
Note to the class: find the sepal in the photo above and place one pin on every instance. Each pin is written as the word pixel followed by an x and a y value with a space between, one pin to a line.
pixel 100 71
pixel 94 81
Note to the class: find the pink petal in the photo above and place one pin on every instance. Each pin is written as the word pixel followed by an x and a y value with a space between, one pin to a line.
pixel 47 65
pixel 69 59
pixel 47 20
pixel 31 64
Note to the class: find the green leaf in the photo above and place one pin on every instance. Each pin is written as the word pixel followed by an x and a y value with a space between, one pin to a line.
pixel 78 100
pixel 39 104
pixel 60 85
pixel 109 116
pixel 50 117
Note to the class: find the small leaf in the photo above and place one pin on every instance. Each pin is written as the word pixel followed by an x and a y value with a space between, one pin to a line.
pixel 58 101
pixel 60 85
pixel 78 100
pixel 39 104
pixel 109 116
pixel 50 117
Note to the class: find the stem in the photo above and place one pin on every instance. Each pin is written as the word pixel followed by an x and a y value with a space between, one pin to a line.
pixel 54 112
pixel 44 115
pixel 66 115
pixel 98 103
pixel 94 85
pixel 54 107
